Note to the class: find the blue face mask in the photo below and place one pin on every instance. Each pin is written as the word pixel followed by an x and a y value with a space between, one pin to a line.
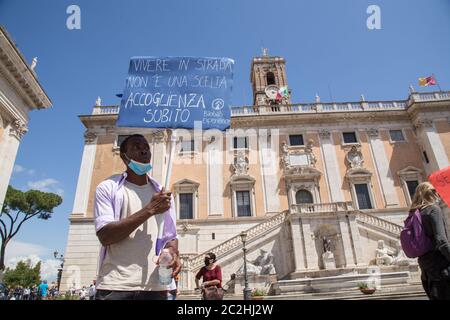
pixel 139 168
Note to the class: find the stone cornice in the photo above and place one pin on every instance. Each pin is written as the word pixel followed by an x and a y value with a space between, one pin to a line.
pixel 319 118
pixel 19 74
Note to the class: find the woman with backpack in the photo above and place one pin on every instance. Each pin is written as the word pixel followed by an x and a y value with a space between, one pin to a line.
pixel 435 263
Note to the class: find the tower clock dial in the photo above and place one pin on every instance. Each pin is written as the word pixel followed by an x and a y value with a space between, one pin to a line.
pixel 271 91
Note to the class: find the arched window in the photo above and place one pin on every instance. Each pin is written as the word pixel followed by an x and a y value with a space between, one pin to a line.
pixel 303 196
pixel 270 77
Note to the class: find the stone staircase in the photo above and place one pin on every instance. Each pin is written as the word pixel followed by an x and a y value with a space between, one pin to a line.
pixel 389 228
pixel 232 246
pixel 191 264
pixel 235 242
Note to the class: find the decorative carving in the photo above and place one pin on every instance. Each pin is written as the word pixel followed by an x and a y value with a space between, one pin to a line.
pixel 89 136
pixel 372 132
pixel 285 153
pixel 98 102
pixel 160 136
pixel 355 158
pixel 305 156
pixel 18 129
pixel 324 134
pixel 240 164
pixel 423 123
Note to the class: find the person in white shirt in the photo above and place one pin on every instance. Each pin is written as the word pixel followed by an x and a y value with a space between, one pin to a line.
pixel 134 220
pixel 83 293
pixel 92 291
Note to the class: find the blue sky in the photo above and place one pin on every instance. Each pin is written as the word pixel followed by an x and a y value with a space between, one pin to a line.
pixel 325 43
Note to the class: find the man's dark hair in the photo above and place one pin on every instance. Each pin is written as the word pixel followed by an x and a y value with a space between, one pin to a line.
pixel 123 145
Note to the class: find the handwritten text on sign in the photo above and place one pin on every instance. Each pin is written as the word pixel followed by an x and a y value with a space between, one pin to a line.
pixel 173 92
pixel 441 182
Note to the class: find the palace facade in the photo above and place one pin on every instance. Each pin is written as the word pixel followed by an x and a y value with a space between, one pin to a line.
pixel 316 186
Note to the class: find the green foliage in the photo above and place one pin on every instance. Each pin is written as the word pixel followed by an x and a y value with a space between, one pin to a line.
pixel 18 208
pixel 364 286
pixel 31 202
pixel 24 275
pixel 258 292
pixel 68 296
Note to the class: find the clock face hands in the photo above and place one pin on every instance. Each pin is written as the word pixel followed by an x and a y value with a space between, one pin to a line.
pixel 271 91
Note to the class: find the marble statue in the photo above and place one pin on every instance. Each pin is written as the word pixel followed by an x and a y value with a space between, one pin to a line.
pixel 383 254
pixel 98 102
pixel 401 259
pixel 327 255
pixel 262 265
pixel 326 244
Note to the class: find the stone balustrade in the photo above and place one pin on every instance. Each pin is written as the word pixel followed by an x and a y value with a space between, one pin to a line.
pixel 318 107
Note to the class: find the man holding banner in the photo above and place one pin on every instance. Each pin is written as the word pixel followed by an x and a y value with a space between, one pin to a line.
pixel 134 216
pixel 128 212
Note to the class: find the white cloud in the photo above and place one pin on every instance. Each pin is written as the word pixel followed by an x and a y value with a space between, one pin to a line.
pixel 42 185
pixel 18 168
pixel 19 248
pixel 46 185
pixel 18 251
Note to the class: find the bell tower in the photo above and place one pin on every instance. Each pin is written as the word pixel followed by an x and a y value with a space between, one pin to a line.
pixel 267 76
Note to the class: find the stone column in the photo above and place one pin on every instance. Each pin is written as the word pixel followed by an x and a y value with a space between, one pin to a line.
pixel 346 241
pixel 80 203
pixel 312 260
pixel 215 178
pixel 268 162
pixel 356 240
pixel 331 166
pixel 382 168
pixel 432 145
pixel 298 244
pixel 9 144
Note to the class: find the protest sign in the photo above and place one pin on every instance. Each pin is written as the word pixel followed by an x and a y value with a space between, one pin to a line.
pixel 441 182
pixel 174 92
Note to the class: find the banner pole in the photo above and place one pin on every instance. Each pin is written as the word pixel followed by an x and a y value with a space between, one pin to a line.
pixel 437 82
pixel 173 143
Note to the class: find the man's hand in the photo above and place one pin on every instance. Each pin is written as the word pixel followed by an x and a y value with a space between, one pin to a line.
pixel 175 264
pixel 160 202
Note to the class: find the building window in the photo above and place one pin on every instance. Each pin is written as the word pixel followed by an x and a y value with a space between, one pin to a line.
pixel 303 196
pixel 296 140
pixel 186 206
pixel 243 204
pixel 213 236
pixel 120 139
pixel 425 156
pixel 187 146
pixel 363 196
pixel 270 77
pixel 350 137
pixel 186 199
pixel 240 143
pixel 412 185
pixel 396 135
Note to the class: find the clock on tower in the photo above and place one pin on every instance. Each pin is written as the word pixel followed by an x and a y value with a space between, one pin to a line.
pixel 267 75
